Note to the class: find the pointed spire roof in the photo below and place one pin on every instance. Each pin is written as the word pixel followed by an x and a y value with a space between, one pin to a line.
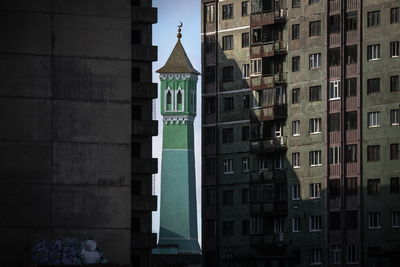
pixel 178 61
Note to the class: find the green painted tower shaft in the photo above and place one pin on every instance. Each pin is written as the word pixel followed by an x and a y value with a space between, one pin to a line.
pixel 178 209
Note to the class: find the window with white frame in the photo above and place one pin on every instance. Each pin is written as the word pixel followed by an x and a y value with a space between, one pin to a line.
pixel 295 128
pixel 352 254
pixel 179 100
pixel 315 158
pixel 315 125
pixel 245 165
pixel 315 256
pixel 256 225
pixel 296 224
pixel 296 160
pixel 228 166
pixel 168 101
pixel 396 219
pixel 334 155
pixel 295 192
pixel 262 163
pixel 315 223
pixel 374 119
pixel 373 52
pixel 256 66
pixel 335 254
pixel 334 90
pixel 245 71
pixel 394 116
pixel 394 49
pixel 315 61
pixel 315 190
pixel 374 220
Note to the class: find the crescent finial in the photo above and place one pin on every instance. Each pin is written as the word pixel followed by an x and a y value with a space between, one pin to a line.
pixel 179 30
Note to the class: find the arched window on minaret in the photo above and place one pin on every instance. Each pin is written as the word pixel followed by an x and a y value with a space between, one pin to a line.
pixel 179 100
pixel 169 100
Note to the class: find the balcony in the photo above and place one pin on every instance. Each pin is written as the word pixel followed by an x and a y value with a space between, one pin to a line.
pixel 145 127
pixel 144 165
pixel 269 49
pixel 144 203
pixel 270 145
pixel 280 15
pixel 261 19
pixel 334 6
pixel 144 240
pixel 267 240
pixel 351 103
pixel 351 37
pixel 280 47
pixel 335 170
pixel 144 14
pixel 334 71
pixel 144 53
pixel 262 82
pixel 334 39
pixel 144 90
pixel 351 70
pixel 268 176
pixel 269 113
pixel 352 4
pixel 280 77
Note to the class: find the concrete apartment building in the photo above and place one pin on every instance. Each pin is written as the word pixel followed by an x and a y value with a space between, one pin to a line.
pixel 301 133
pixel 76 110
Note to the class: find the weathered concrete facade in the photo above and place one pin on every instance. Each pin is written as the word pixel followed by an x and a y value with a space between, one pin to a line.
pixel 67 98
pixel 309 115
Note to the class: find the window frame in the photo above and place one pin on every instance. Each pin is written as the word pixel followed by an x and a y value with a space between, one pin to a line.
pixel 227 42
pixel 374 119
pixel 373 18
pixel 314 28
pixel 314 61
pixel 296 160
pixel 373 52
pixel 227 165
pixel 315 191
pixel 227 11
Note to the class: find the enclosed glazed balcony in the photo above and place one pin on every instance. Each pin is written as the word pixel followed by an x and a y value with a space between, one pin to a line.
pixel 268 176
pixel 269 113
pixel 269 145
pixel 269 49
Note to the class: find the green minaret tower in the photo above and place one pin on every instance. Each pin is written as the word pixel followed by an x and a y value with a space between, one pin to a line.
pixel 178 210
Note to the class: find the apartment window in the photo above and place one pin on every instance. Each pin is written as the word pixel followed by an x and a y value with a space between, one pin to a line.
pixel 263 163
pixel 245 71
pixel 210 105
pixel 394 151
pixel 315 93
pixel 296 3
pixel 334 220
pixel 315 191
pixel 278 224
pixel 335 254
pixel 373 153
pixel 296 160
pixel 315 28
pixel 295 128
pixel 351 54
pixel 245 228
pixel 394 49
pixel 227 11
pixel 334 122
pixel 228 103
pixel 351 21
pixel 210 197
pixel 245 133
pixel 311 2
pixel 245 165
pixel 227 197
pixel 373 186
pixel 245 195
pixel 334 90
pixel 395 15
pixel 334 155
pixel 315 223
pixel 210 13
pixel 295 95
pixel 210 74
pixel 334 57
pixel 228 166
pixel 227 42
pixel 394 83
pixel 373 86
pixel 295 224
pixel 351 218
pixel 245 40
pixel 295 63
pixel 374 52
pixel 296 192
pixel 315 254
pixel 394 116
pixel 245 8
pixel 334 188
pixel 256 225
pixel 210 43
pixel 227 135
pixel 315 125
pixel 374 119
pixel 315 61
pixel 395 185
pixel 351 186
pixel 334 24
pixel 396 219
pixel 256 66
pixel 352 253
pixel 351 87
pixel 227 74
pixel 278 161
pixel 374 219
pixel 351 120
pixel 256 36
pixel 227 228
pixel 315 158
pixel 373 18
pixel 351 153
pixel 246 101
pixel 295 31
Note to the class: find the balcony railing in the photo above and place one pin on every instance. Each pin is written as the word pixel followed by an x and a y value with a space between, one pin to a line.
pixel 262 82
pixel 267 240
pixel 280 47
pixel 280 77
pixel 268 176
pixel 334 6
pixel 270 145
pixel 269 113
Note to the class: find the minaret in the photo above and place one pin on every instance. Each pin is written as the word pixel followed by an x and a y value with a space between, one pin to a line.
pixel 178 210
